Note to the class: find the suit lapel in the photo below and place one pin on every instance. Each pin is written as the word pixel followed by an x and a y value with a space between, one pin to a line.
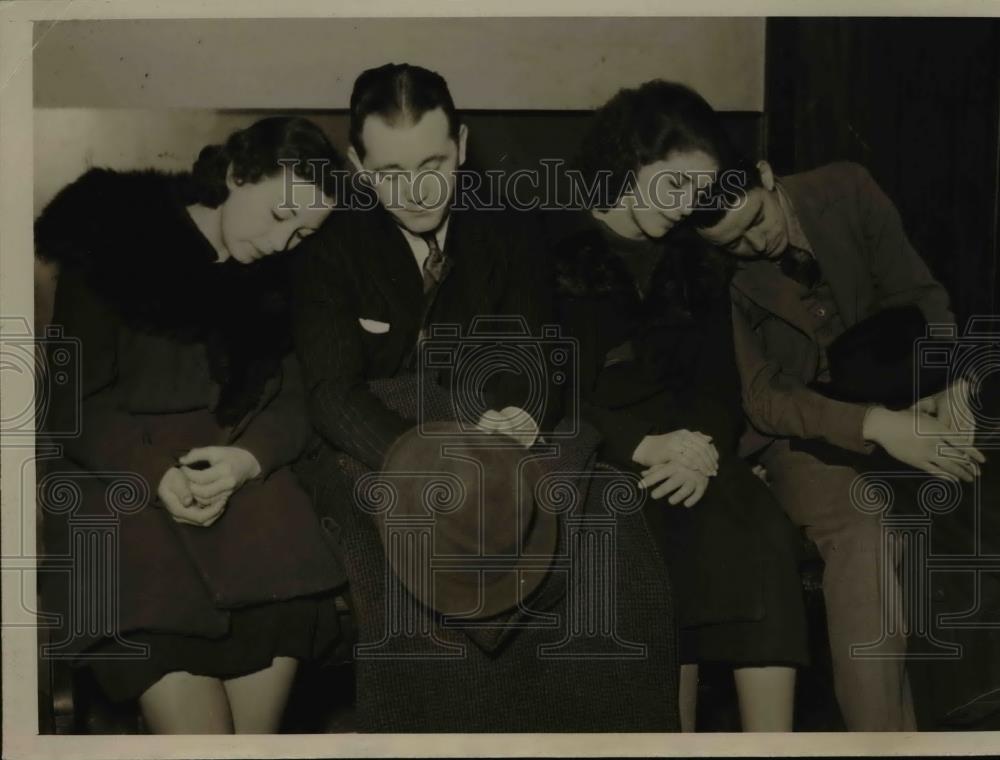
pixel 763 283
pixel 393 269
pixel 839 266
pixel 466 248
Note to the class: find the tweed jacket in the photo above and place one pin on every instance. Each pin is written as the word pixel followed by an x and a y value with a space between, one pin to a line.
pixel 858 239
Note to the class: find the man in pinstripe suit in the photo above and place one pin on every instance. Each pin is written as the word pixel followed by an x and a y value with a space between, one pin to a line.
pixel 372 282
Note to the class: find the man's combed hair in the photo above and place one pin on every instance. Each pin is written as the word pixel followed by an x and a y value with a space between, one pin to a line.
pixel 399 92
pixel 262 150
pixel 640 126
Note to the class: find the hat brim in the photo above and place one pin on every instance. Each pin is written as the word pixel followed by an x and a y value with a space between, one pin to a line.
pixel 477 594
pixel 474 591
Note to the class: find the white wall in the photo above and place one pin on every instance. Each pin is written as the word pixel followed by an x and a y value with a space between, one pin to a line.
pixel 68 141
pixel 523 63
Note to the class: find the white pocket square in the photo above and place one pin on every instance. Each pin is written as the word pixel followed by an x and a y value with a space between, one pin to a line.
pixel 374 326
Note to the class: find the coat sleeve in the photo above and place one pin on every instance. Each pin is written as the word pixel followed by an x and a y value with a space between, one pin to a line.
pixel 781 405
pixel 899 273
pixel 329 346
pixel 527 294
pixel 110 439
pixel 621 431
pixel 278 434
pixel 713 405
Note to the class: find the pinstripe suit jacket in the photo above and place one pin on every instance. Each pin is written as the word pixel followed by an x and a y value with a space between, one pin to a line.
pixel 359 306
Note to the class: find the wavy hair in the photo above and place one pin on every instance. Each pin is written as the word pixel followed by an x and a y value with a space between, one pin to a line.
pixel 262 150
pixel 642 125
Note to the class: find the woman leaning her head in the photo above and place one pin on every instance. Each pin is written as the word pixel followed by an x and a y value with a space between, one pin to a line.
pixel 652 151
pixel 172 287
pixel 267 187
pixel 650 306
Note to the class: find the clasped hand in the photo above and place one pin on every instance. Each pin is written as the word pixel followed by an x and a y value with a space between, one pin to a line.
pixel 511 421
pixel 678 463
pixel 199 497
pixel 938 441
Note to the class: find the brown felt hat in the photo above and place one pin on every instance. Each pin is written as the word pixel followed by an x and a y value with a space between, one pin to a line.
pixel 491 545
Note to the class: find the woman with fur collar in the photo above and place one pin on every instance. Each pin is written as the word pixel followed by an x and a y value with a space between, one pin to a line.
pixel 173 288
pixel 649 307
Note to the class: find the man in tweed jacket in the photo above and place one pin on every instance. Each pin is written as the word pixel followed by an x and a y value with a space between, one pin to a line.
pixel 819 252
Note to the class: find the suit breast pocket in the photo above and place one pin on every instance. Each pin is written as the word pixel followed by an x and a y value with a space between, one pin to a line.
pixel 374 326
pixel 382 343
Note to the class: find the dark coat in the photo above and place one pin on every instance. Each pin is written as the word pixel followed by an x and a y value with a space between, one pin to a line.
pixel 683 375
pixel 683 367
pixel 174 351
pixel 360 267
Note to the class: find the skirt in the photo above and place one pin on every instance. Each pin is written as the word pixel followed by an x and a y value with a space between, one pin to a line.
pixel 305 629
pixel 222 600
pixel 733 560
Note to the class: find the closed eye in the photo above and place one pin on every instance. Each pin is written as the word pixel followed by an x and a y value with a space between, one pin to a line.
pixel 297 237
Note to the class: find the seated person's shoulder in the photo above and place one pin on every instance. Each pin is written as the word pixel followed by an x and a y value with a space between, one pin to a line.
pixel 346 229
pixel 831 182
pixel 508 235
pixel 835 183
pixel 508 220
pixel 100 190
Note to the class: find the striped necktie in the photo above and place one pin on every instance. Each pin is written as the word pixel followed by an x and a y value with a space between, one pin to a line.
pixel 434 264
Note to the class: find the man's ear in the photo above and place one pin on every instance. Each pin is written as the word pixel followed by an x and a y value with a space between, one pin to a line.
pixel 463 136
pixel 352 156
pixel 231 178
pixel 766 175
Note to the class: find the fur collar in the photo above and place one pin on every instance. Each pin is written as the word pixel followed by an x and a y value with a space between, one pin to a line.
pixel 688 280
pixel 129 236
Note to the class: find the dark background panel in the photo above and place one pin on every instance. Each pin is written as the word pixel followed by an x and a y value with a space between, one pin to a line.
pixel 914 100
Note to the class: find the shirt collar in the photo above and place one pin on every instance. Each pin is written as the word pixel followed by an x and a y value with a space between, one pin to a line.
pixel 796 236
pixel 419 240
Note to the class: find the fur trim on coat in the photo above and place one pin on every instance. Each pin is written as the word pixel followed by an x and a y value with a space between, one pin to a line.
pixel 128 234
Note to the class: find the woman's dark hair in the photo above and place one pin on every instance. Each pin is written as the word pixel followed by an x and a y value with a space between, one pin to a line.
pixel 736 179
pixel 395 91
pixel 261 150
pixel 643 125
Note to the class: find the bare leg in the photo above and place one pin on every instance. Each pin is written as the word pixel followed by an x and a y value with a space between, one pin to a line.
pixel 767 698
pixel 258 699
pixel 688 697
pixel 182 703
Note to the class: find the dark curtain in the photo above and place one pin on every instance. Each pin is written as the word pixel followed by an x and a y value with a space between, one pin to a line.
pixel 914 100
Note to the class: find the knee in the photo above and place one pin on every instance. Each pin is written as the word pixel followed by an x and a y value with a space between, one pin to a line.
pixel 858 534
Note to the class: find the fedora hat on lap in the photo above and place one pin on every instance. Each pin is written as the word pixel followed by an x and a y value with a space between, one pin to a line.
pixel 463 530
